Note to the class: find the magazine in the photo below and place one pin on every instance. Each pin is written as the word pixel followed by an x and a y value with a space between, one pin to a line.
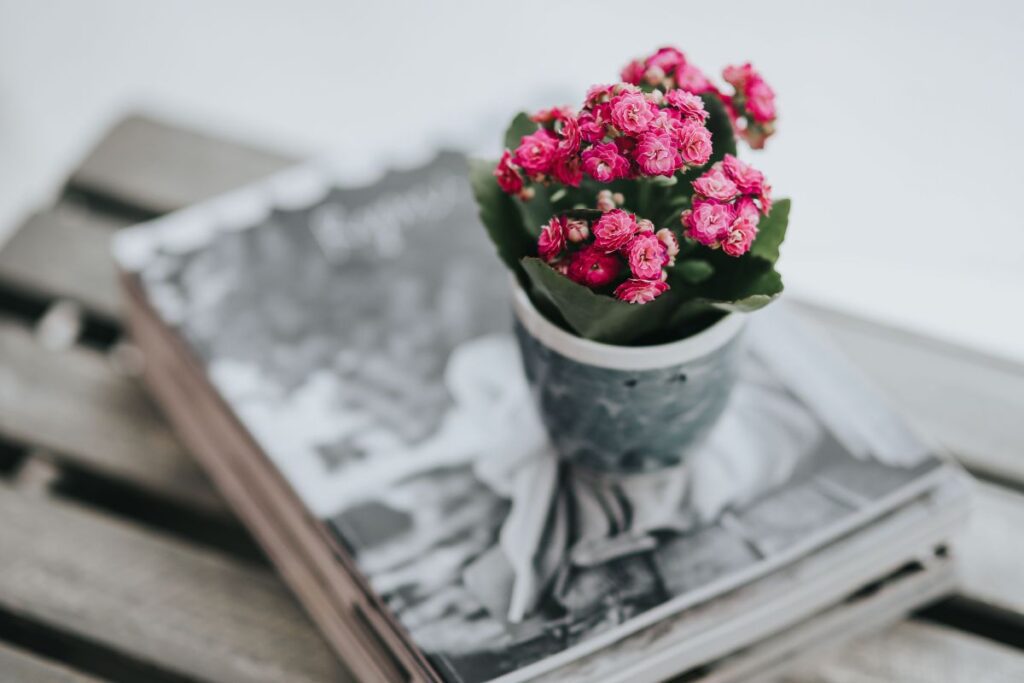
pixel 362 338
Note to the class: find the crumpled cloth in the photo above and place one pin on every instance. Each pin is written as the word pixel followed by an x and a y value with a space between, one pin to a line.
pixel 563 517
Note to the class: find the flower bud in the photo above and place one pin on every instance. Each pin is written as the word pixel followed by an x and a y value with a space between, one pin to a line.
pixel 577 230
pixel 654 75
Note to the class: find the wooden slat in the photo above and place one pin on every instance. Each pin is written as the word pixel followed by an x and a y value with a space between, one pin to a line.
pixel 154 167
pixel 991 553
pixel 913 652
pixel 73 404
pixel 969 402
pixel 64 254
pixel 152 599
pixel 23 667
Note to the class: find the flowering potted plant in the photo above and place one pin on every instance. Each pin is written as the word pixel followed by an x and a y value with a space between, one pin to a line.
pixel 636 237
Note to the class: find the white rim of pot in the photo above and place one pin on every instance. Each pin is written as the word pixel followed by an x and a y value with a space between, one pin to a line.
pixel 622 357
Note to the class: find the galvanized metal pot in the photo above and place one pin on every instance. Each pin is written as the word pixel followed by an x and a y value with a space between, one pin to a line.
pixel 627 409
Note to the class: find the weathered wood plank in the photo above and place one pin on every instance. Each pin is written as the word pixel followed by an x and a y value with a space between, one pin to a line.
pixel 73 404
pixel 990 551
pixel 913 652
pixel 18 666
pixel 969 402
pixel 64 253
pixel 153 599
pixel 153 167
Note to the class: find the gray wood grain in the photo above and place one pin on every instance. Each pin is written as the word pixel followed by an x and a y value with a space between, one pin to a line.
pixel 990 552
pixel 19 666
pixel 64 253
pixel 156 167
pixel 913 652
pixel 73 404
pixel 971 403
pixel 188 611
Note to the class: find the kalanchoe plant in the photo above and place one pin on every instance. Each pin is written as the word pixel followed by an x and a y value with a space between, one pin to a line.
pixel 631 220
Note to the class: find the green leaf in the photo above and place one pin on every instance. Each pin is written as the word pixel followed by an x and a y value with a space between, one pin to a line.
pixel 668 214
pixel 760 293
pixel 500 216
pixel 535 212
pixel 771 231
pixel 521 125
pixel 695 271
pixel 740 284
pixel 597 316
pixel 723 137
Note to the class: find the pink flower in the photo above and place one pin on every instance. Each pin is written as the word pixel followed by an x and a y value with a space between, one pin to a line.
pixel 665 123
pixel 597 94
pixel 507 174
pixel 740 238
pixel 715 184
pixel 640 291
pixel 692 79
pixel 708 222
pixel 625 144
pixel 577 230
pixel 765 197
pixel 552 239
pixel 646 255
pixel 536 152
pixel 631 112
pixel 689 105
pixel 694 143
pixel 752 107
pixel 756 134
pixel 737 76
pixel 593 123
pixel 552 114
pixel 603 163
pixel 747 178
pixel 614 230
pixel 747 209
pixel 593 267
pixel 656 155
pixel 671 244
pixel 633 72
pixel 667 59
pixel 570 131
pixel 760 101
pixel 568 170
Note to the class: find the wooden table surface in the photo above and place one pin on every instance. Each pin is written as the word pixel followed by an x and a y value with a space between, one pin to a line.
pixel 119 561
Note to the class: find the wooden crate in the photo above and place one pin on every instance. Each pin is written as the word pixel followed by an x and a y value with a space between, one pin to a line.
pixel 119 561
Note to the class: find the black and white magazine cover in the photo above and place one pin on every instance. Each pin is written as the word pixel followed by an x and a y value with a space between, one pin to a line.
pixel 363 337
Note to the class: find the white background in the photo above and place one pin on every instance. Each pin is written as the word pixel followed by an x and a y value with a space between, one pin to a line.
pixel 900 131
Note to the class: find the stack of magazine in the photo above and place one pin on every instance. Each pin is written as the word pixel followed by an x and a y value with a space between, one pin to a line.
pixel 335 358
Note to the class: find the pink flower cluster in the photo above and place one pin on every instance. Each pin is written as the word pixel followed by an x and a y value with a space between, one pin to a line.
pixel 728 201
pixel 667 69
pixel 615 249
pixel 751 106
pixel 621 132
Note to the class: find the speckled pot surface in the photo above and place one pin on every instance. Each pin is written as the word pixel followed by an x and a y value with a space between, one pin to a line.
pixel 627 409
